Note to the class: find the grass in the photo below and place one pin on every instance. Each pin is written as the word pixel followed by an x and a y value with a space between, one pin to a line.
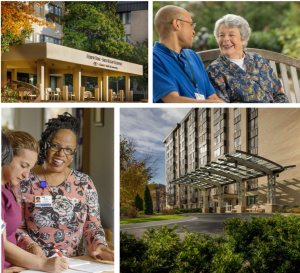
pixel 150 219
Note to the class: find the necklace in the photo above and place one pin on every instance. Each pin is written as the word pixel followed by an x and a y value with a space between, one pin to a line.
pixel 54 195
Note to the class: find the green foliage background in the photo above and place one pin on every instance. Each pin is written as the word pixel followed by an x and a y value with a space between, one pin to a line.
pixel 275 25
pixel 95 27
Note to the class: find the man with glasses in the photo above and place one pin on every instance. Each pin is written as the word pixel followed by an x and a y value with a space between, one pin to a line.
pixel 178 73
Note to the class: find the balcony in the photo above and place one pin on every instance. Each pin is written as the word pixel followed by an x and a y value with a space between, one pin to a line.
pixel 201 198
pixel 183 201
pixel 252 188
pixel 194 200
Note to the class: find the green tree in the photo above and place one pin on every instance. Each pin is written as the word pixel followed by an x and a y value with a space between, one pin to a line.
pixel 138 202
pixel 95 27
pixel 140 56
pixel 148 204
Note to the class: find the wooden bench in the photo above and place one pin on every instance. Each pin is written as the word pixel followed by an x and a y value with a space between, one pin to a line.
pixel 284 61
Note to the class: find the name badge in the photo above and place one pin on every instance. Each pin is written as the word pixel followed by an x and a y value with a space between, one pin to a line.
pixel 3 225
pixel 43 201
pixel 199 96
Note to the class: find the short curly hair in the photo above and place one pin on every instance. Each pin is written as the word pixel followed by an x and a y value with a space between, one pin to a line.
pixel 64 121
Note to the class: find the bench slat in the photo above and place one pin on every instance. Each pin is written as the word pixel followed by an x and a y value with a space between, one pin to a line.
pixel 285 81
pixel 295 83
pixel 273 65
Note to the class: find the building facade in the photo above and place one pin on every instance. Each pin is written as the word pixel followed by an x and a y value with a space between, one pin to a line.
pixel 206 134
pixel 43 60
pixel 134 15
pixel 159 195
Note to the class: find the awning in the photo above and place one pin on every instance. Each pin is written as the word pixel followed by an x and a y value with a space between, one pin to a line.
pixel 237 166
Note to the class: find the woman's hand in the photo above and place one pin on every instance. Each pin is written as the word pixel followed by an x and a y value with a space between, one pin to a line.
pixel 37 250
pixel 56 265
pixel 103 253
pixel 13 269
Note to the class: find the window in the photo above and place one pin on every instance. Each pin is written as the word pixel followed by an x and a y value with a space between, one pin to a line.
pixel 125 17
pixel 237 112
pixel 237 127
pixel 44 38
pixel 252 200
pixel 237 142
pixel 53 14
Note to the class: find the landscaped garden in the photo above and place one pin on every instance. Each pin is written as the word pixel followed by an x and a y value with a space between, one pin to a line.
pixel 260 245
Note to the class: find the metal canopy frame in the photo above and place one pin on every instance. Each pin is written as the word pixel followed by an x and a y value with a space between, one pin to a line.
pixel 235 167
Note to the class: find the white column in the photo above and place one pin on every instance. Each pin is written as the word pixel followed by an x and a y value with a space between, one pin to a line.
pixel 121 95
pixel 97 94
pixel 14 74
pixel 77 81
pixel 82 90
pixel 40 77
pixel 105 85
pixel 65 92
pixel 127 87
pixel 3 71
pixel 47 76
pixel 100 74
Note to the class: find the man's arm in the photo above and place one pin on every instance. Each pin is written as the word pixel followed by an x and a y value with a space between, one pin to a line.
pixel 174 97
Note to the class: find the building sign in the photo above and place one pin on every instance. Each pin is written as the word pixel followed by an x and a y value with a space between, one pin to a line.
pixel 104 62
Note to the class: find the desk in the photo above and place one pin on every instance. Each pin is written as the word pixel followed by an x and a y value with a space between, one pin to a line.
pixel 90 259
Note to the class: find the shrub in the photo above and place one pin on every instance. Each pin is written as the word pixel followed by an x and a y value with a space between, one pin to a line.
pixel 167 211
pixel 133 212
pixel 124 210
pixel 131 253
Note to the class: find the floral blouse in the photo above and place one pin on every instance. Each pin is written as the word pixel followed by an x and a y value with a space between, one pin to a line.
pixel 258 84
pixel 63 224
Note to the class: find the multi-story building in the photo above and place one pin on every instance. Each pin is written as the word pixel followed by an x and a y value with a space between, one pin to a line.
pixel 206 134
pixel 43 60
pixel 158 195
pixel 134 15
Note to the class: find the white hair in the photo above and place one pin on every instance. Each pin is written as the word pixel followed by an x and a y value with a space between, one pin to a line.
pixel 231 21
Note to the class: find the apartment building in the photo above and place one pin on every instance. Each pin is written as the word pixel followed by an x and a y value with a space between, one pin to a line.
pixel 159 195
pixel 206 134
pixel 134 15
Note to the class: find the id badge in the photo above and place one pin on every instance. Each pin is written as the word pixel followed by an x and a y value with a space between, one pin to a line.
pixel 43 201
pixel 199 96
pixel 3 225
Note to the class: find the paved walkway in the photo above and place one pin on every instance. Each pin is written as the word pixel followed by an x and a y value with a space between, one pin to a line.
pixel 210 223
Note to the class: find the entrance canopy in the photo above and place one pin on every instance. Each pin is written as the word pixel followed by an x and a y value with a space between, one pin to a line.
pixel 63 59
pixel 237 166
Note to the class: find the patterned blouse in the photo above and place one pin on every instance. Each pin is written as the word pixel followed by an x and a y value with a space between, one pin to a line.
pixel 258 84
pixel 75 211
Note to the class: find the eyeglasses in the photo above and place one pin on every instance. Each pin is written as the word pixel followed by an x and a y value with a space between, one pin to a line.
pixel 56 148
pixel 191 23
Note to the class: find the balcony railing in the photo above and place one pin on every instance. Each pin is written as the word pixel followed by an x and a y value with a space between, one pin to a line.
pixel 183 201
pixel 227 192
pixel 171 202
pixel 252 188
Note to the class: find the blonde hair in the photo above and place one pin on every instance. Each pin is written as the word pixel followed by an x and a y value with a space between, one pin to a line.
pixel 20 141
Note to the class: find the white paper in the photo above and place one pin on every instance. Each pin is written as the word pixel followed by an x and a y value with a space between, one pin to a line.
pixel 94 267
pixel 76 262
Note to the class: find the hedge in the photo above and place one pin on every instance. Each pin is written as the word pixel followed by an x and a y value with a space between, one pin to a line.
pixel 261 245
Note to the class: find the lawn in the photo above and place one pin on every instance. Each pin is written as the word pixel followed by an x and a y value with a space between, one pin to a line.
pixel 150 219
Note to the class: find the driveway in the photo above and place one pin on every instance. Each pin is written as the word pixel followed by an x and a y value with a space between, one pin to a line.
pixel 210 223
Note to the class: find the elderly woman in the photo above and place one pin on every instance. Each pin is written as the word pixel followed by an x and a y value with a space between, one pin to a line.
pixel 19 154
pixel 68 206
pixel 239 76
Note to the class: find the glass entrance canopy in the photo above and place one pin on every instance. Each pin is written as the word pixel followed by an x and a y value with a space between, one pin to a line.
pixel 237 166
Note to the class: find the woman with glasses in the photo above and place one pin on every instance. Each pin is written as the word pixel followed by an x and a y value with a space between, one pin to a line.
pixel 68 206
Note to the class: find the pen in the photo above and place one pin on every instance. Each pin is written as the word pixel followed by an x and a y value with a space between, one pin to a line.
pixel 59 254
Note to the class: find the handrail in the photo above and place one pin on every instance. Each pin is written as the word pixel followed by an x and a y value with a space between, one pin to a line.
pixel 30 86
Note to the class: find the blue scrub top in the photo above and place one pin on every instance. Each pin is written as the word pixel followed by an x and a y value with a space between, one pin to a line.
pixel 169 77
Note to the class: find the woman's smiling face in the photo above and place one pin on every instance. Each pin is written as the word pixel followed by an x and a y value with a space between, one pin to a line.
pixel 230 42
pixel 58 161
pixel 19 168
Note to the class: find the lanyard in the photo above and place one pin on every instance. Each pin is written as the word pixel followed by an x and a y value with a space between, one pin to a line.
pixel 193 80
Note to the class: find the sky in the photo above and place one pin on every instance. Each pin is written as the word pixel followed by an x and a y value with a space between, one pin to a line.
pixel 148 127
